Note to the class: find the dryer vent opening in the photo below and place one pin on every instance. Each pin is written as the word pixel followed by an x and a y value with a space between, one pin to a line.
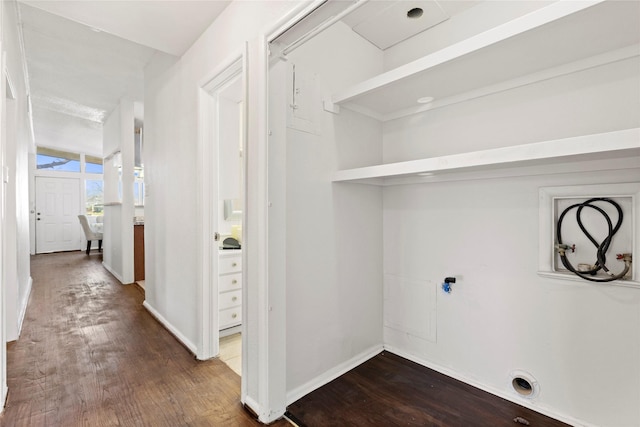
pixel 524 384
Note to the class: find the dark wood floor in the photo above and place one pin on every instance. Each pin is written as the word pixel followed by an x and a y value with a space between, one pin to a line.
pixel 388 390
pixel 90 355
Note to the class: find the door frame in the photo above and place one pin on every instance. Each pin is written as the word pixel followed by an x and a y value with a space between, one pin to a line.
pixel 208 149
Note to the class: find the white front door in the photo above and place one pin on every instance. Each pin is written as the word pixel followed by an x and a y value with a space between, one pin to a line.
pixel 57 210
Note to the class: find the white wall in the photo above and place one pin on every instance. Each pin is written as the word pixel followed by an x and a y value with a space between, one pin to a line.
pixel 18 145
pixel 333 247
pixel 171 154
pixel 579 340
pixel 118 216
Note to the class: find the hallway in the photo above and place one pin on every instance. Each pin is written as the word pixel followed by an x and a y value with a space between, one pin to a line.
pixel 90 354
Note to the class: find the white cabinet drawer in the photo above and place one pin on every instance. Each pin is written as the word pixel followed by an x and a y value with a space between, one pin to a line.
pixel 230 317
pixel 230 282
pixel 230 299
pixel 232 264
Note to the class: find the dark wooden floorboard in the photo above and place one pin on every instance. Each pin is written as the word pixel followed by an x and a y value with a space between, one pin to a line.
pixel 388 390
pixel 91 355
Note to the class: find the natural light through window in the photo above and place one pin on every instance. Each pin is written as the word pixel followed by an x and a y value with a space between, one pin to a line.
pixel 94 197
pixel 92 164
pixel 56 160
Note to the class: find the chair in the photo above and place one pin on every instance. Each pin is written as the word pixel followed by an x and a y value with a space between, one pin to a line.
pixel 89 233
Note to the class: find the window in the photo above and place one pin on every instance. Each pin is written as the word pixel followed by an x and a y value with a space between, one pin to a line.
pixel 138 187
pixel 56 160
pixel 94 196
pixel 92 164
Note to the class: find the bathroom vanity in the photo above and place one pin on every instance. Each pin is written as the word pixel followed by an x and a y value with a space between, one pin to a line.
pixel 229 291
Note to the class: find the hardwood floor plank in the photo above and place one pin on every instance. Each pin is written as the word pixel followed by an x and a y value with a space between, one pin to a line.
pixel 91 355
pixel 388 390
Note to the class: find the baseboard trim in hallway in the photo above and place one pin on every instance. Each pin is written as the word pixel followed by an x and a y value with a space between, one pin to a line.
pixel 170 328
pixel 91 355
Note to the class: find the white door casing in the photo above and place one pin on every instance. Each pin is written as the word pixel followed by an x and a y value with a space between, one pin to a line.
pixel 57 210
pixel 211 131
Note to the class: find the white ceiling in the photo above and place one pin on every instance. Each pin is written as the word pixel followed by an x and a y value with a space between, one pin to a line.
pixel 168 26
pixel 84 56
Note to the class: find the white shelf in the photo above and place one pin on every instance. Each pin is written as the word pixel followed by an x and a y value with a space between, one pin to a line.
pixel 623 144
pixel 552 37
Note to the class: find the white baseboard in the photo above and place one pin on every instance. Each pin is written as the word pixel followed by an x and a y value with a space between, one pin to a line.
pixel 168 326
pixel 23 305
pixel 251 404
pixel 496 392
pixel 332 374
pixel 113 272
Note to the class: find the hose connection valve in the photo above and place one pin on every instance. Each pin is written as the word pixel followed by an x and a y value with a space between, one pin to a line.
pixel 563 248
pixel 446 286
pixel 626 258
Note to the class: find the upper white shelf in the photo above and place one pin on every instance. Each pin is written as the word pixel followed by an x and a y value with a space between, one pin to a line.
pixel 622 144
pixel 562 33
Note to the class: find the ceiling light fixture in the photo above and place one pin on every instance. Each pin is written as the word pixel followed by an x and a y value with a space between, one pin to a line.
pixel 425 100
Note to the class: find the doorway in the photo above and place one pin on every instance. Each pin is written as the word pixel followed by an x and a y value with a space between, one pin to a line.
pixel 57 210
pixel 222 107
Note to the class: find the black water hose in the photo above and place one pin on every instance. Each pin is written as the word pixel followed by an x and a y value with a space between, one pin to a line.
pixel 601 248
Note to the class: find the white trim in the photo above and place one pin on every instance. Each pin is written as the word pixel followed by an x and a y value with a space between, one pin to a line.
pixel 208 143
pixel 546 228
pixel 261 245
pixel 323 26
pixel 3 228
pixel 244 382
pixel 548 74
pixel 553 168
pixel 511 397
pixel 113 272
pixel 619 144
pixel 11 92
pixel 23 305
pixel 251 403
pixel 291 19
pixel 206 343
pixel 168 326
pixel 517 26
pixel 333 373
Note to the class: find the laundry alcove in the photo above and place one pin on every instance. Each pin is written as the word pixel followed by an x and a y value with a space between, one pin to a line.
pixel 379 192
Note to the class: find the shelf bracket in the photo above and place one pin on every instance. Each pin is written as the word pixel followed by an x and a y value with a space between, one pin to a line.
pixel 330 106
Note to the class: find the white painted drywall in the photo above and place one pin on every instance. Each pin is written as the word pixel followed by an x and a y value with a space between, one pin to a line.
pixel 333 247
pixel 18 145
pixel 171 155
pixel 482 16
pixel 14 229
pixel 578 340
pixel 118 217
